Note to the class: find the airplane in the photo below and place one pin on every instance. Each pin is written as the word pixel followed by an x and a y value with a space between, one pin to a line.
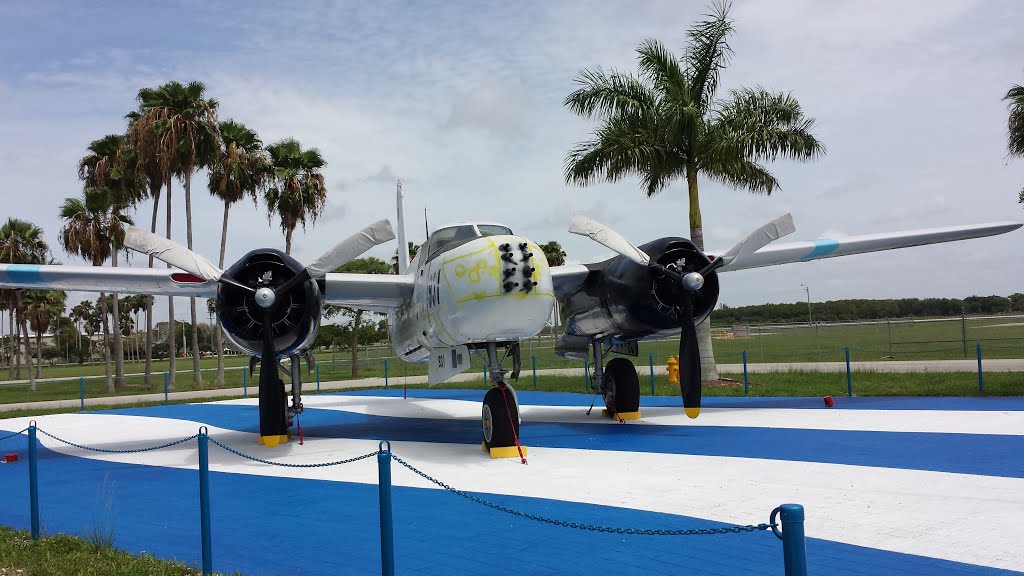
pixel 473 288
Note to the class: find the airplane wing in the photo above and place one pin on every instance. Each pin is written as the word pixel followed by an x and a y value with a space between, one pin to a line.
pixel 156 281
pixel 817 249
pixel 374 292
pixel 566 279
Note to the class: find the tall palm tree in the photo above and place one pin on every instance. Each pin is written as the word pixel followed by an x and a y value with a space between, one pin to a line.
pixel 666 123
pixel 22 242
pixel 104 167
pixel 43 308
pixel 1015 124
pixel 80 313
pixel 413 250
pixel 297 191
pixel 94 229
pixel 241 169
pixel 179 124
pixel 554 253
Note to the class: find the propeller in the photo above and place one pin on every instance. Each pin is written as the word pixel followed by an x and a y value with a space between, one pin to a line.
pixel 690 284
pixel 272 422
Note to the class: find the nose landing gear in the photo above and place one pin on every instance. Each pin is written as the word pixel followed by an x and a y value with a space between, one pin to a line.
pixel 500 413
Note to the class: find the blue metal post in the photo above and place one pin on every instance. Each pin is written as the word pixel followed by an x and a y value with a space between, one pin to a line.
pixel 794 549
pixel 586 376
pixel 746 381
pixel 204 500
pixel 981 383
pixel 245 382
pixel 650 362
pixel 385 372
pixel 387 533
pixel 317 376
pixel 165 387
pixel 533 361
pixel 849 377
pixel 81 390
pixel 33 479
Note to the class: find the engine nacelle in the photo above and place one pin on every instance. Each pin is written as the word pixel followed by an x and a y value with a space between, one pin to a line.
pixel 621 299
pixel 295 316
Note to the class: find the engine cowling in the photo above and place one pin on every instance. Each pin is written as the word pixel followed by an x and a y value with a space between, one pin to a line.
pixel 295 319
pixel 622 299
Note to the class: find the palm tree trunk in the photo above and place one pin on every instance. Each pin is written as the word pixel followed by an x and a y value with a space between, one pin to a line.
pixel 23 326
pixel 105 323
pixel 216 329
pixel 17 336
pixel 11 340
pixel 39 354
pixel 708 366
pixel 118 342
pixel 197 375
pixel 355 343
pixel 172 346
pixel 288 241
pixel 155 192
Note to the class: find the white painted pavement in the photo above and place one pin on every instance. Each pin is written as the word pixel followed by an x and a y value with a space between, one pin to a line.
pixel 958 517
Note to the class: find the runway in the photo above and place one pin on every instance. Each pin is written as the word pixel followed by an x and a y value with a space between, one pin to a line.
pixel 890 485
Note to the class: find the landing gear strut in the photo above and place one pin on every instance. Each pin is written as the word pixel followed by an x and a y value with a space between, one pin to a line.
pixel 500 413
pixel 276 417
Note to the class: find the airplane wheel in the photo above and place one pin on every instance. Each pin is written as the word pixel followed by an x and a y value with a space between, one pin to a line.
pixel 499 430
pixel 623 386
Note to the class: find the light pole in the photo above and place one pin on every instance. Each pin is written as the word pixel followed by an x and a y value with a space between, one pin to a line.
pixel 810 321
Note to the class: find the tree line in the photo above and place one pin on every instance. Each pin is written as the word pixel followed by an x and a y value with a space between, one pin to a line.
pixel 860 309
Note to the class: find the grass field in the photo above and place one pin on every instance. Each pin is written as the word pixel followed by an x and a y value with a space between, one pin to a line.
pixel 1000 338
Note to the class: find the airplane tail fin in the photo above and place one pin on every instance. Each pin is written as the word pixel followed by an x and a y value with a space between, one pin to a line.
pixel 403 245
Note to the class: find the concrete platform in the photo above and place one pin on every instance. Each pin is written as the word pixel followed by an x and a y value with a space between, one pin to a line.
pixel 890 485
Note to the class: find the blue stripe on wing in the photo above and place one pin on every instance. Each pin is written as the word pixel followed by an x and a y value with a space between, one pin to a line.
pixel 821 248
pixel 23 273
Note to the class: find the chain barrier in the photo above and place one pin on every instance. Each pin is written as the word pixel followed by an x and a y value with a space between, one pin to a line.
pixel 579 526
pixel 12 435
pixel 290 465
pixel 116 451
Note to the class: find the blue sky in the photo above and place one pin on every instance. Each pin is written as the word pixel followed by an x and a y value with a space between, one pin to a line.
pixel 464 102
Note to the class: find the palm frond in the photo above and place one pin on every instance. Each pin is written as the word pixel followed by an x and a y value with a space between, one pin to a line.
pixel 1015 124
pixel 603 95
pixel 708 52
pixel 742 174
pixel 761 125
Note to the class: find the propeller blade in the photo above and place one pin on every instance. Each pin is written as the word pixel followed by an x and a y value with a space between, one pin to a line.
pixel 170 252
pixel 758 239
pixel 601 234
pixel 689 361
pixel 351 248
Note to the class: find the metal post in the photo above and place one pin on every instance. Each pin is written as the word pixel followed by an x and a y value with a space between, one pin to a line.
pixel 81 390
pixel 746 382
pixel 849 377
pixel 245 382
pixel 318 377
pixel 204 500
pixel 385 372
pixel 165 387
pixel 794 548
pixel 586 376
pixel 533 361
pixel 981 383
pixel 33 479
pixel 650 362
pixel 963 330
pixel 387 533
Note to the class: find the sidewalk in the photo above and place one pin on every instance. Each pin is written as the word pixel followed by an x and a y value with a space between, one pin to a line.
pixel 995 365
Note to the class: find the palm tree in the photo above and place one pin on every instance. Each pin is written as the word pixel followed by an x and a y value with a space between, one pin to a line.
pixel 297 189
pixel 666 123
pixel 22 242
pixel 80 313
pixel 43 309
pixel 554 253
pixel 104 167
pixel 1015 125
pixel 94 229
pixel 413 250
pixel 241 169
pixel 178 124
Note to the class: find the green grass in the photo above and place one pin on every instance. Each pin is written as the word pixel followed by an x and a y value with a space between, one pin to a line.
pixel 63 554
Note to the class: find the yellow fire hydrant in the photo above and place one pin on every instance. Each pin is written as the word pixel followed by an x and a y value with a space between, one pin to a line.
pixel 673 370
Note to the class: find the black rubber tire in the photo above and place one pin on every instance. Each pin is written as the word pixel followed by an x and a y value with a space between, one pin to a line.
pixel 503 432
pixel 623 383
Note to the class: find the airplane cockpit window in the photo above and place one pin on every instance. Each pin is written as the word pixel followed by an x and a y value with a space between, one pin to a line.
pixel 452 236
pixel 493 230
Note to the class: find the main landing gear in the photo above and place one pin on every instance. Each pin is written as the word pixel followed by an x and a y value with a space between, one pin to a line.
pixel 618 385
pixel 273 402
pixel 500 413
